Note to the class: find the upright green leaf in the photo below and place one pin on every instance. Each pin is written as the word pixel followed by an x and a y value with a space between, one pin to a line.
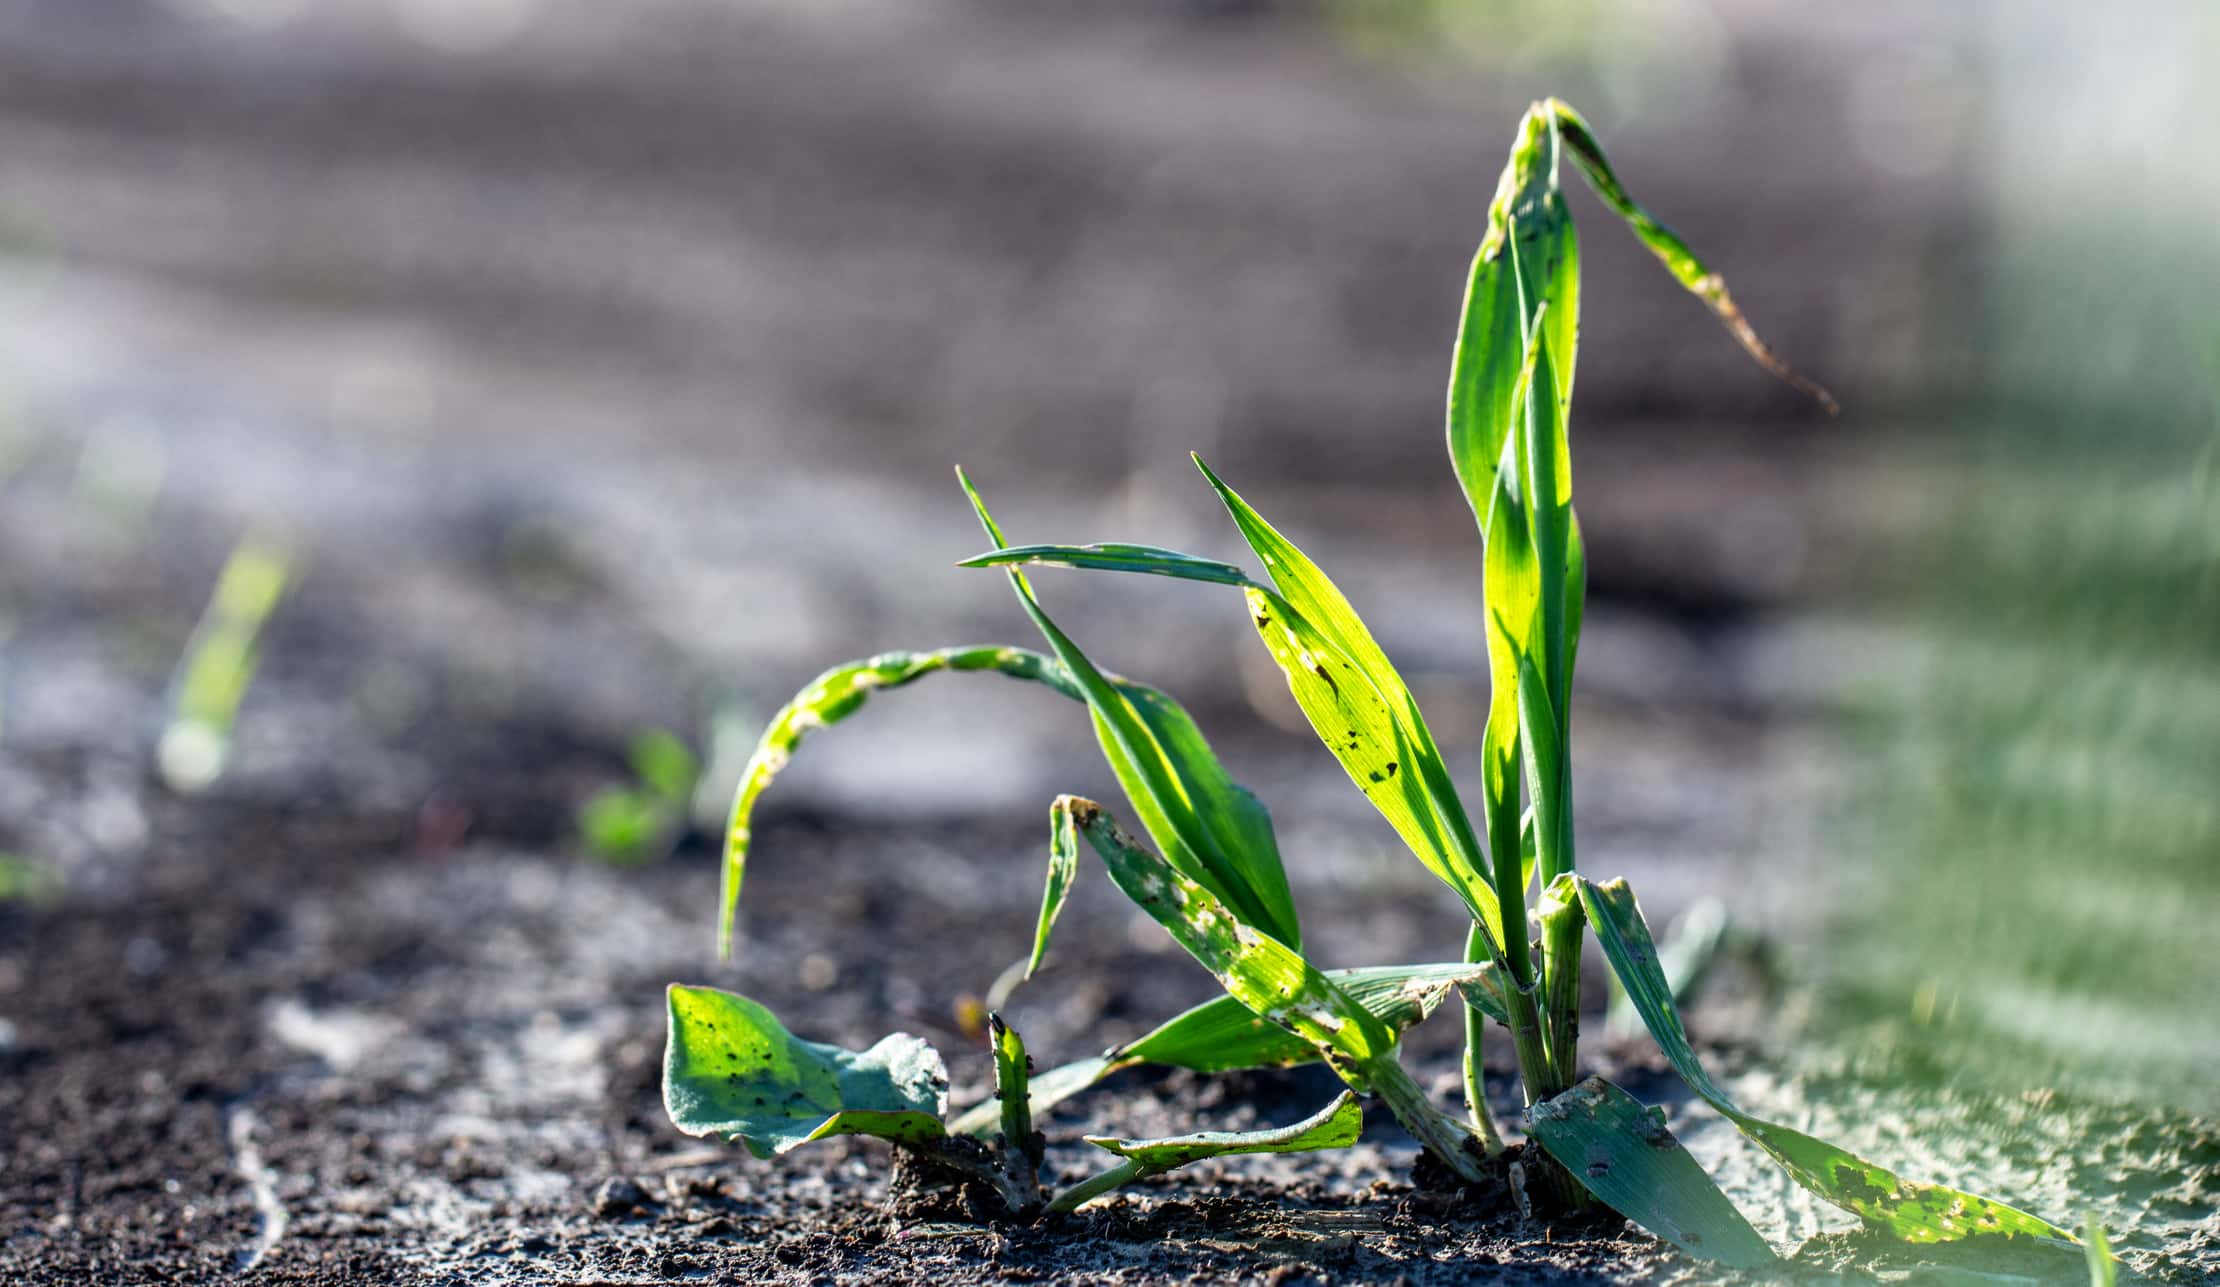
pixel 1063 866
pixel 1212 831
pixel 1908 1210
pixel 1623 1154
pixel 1353 696
pixel 732 1070
pixel 1493 327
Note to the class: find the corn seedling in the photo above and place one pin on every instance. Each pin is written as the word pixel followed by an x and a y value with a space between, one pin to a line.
pixel 629 825
pixel 1214 878
pixel 219 664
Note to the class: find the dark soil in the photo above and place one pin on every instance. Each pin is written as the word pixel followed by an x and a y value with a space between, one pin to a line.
pixel 314 1047
pixel 611 379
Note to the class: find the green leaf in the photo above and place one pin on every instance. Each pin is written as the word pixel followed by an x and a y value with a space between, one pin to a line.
pixel 1063 866
pixel 834 696
pixel 664 764
pixel 1906 1209
pixel 2104 1269
pixel 1264 974
pixel 1625 1156
pixel 621 825
pixel 1355 700
pixel 1492 334
pixel 1211 831
pixel 732 1070
pixel 1223 1035
pixel 1114 557
pixel 1691 272
pixel 1337 1125
pixel 1437 827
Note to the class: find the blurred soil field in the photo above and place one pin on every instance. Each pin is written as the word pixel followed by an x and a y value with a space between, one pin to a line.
pixel 607 377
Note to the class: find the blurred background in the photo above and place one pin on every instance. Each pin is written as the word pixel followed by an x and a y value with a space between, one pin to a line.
pixel 600 367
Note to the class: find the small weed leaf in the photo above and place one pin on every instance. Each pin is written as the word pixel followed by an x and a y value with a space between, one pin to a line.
pixel 1908 1210
pixel 733 1071
pixel 1625 1156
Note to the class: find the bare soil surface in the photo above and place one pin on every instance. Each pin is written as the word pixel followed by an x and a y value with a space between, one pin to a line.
pixel 607 380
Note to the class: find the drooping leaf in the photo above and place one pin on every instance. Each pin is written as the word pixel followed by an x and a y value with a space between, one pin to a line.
pixel 1223 1035
pixel 1211 831
pixel 1337 1125
pixel 1264 974
pixel 1625 1156
pixel 834 696
pixel 841 691
pixel 1579 141
pixel 1906 1209
pixel 733 1071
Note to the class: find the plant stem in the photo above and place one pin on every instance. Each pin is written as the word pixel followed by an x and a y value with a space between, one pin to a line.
pixel 1442 1135
pixel 1476 1020
pixel 1012 1086
pixel 1094 1186
pixel 1564 929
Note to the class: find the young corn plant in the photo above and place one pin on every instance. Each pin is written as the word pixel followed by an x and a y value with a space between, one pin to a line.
pixel 1215 880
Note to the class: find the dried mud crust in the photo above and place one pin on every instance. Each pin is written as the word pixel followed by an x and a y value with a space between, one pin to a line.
pixel 310 1049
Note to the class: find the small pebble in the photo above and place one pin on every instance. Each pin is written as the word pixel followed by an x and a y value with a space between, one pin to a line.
pixel 618 1197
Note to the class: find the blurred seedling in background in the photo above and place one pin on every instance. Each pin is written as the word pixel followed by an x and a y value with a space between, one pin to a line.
pixel 219 664
pixel 640 823
pixel 119 478
pixel 1214 878
pixel 27 880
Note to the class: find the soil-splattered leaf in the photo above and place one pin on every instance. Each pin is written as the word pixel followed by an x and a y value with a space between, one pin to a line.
pixel 1908 1210
pixel 1625 1156
pixel 1223 1035
pixel 1265 974
pixel 733 1071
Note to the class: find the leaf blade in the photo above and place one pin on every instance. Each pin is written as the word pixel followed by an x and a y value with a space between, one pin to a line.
pixel 733 1071
pixel 1337 1125
pixel 1908 1210
pixel 1624 1155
